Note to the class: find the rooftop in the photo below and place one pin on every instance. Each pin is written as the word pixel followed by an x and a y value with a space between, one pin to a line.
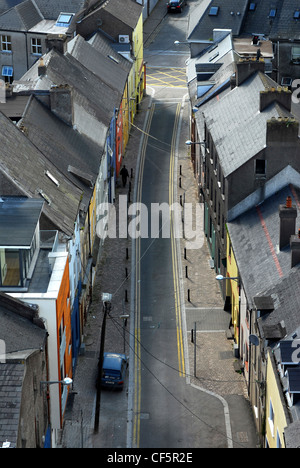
pixel 19 217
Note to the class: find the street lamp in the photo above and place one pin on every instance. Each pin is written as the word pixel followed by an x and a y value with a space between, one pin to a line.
pixel 221 278
pixel 66 381
pixel 106 300
pixel 189 142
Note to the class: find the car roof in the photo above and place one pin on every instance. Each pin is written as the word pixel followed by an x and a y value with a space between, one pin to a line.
pixel 113 360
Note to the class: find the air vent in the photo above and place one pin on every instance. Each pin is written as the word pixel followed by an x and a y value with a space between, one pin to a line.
pixel 124 39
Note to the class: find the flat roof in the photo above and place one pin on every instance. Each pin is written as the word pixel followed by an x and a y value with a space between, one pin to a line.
pixel 19 217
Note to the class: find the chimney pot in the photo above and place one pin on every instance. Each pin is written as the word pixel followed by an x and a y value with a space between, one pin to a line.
pixel 289 202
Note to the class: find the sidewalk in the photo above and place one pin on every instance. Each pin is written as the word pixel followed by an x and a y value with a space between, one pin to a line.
pixel 210 361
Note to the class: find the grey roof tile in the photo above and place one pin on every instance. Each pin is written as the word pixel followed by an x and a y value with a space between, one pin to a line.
pixel 17 151
pixel 241 133
pixel 264 269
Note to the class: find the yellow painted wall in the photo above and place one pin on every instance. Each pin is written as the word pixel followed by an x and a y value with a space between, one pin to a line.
pixel 138 51
pixel 93 218
pixel 232 288
pixel 274 395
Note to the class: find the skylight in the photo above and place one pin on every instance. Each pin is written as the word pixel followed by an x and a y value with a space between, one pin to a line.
pixel 64 19
pixel 272 13
pixel 297 14
pixel 252 6
pixel 214 11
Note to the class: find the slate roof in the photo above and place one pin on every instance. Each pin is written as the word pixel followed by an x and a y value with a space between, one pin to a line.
pixel 51 9
pixel 217 59
pixel 202 24
pixel 22 17
pixel 90 92
pixel 19 218
pixel 108 70
pixel 105 47
pixel 283 26
pixel 264 270
pixel 63 146
pixel 25 166
pixel 241 133
pixel 127 12
pixel 11 381
pixel 48 9
pixel 18 332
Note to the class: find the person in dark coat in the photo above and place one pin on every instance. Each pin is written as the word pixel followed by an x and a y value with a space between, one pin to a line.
pixel 124 173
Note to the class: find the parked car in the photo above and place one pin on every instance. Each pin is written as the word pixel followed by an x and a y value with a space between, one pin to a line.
pixel 175 6
pixel 114 370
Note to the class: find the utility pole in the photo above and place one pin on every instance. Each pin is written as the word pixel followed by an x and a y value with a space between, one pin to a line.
pixel 106 299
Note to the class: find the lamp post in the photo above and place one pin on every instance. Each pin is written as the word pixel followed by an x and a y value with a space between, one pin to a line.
pixel 106 300
pixel 222 278
pixel 66 381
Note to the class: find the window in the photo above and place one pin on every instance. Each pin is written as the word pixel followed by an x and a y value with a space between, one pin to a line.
pixel 5 43
pixel 64 19
pixel 36 46
pixel 271 418
pixel 295 54
pixel 252 6
pixel 7 73
pixel 214 11
pixel 260 167
pixel 272 13
pixel 297 14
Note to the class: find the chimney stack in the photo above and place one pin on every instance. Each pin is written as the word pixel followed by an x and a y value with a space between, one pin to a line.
pixel 246 68
pixel 61 101
pixel 287 215
pixel 282 131
pixel 295 249
pixel 279 94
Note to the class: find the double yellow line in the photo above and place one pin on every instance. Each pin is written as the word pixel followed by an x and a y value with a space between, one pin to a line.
pixel 137 331
pixel 137 340
pixel 180 348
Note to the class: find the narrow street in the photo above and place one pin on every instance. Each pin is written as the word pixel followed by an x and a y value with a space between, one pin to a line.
pixel 167 412
pixel 178 394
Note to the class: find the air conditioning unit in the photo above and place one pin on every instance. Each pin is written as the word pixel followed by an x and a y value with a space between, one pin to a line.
pixel 124 39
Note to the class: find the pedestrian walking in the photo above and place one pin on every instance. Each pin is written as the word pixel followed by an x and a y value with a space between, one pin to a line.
pixel 125 174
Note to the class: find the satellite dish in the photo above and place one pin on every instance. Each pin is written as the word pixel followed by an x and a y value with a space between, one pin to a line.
pixel 253 339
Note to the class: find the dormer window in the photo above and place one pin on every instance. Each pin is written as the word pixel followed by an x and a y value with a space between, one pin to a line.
pixel 64 20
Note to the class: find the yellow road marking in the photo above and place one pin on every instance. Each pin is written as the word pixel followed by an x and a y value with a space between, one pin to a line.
pixel 137 346
pixel 180 348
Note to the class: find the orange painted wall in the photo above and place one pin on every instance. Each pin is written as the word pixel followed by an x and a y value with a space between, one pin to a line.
pixel 63 312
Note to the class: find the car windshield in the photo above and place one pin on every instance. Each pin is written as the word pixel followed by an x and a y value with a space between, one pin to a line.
pixel 111 373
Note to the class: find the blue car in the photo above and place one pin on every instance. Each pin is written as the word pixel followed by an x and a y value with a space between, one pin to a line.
pixel 114 370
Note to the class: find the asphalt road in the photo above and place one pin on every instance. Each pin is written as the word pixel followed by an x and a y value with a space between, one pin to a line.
pixel 168 413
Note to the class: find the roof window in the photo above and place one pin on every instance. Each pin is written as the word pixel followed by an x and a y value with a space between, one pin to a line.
pixel 272 13
pixel 214 11
pixel 252 6
pixel 64 19
pixel 297 14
